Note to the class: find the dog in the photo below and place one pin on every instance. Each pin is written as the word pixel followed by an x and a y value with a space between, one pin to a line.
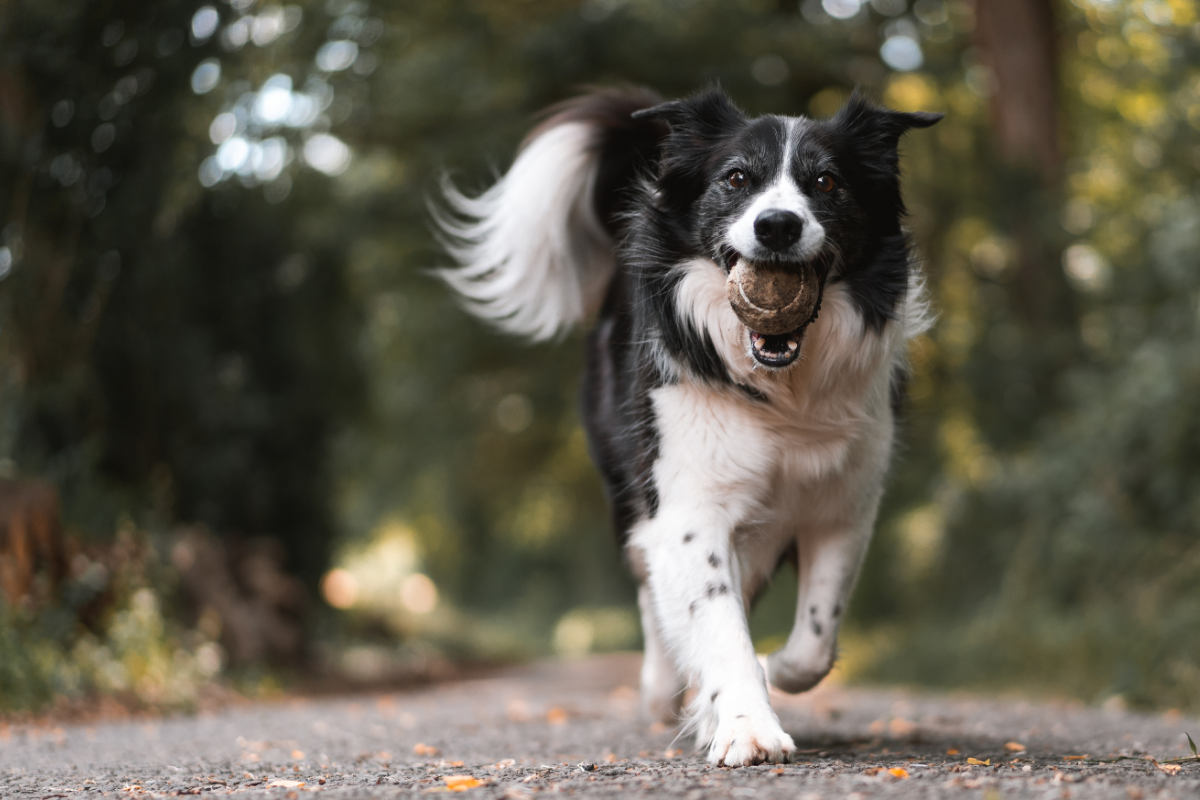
pixel 726 450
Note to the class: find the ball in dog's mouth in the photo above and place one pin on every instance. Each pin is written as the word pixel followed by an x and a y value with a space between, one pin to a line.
pixel 775 303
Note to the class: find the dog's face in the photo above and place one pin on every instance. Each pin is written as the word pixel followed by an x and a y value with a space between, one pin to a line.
pixel 781 195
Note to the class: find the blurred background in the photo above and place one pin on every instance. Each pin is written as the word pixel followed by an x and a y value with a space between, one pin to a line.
pixel 246 441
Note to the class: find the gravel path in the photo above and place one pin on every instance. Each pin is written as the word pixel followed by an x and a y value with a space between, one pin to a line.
pixel 574 728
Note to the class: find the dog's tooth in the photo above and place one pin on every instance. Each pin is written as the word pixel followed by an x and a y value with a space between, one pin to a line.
pixel 792 345
pixel 758 343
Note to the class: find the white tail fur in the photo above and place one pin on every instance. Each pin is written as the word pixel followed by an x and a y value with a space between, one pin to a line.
pixel 534 257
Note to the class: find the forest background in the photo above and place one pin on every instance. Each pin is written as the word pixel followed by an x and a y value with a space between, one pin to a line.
pixel 245 436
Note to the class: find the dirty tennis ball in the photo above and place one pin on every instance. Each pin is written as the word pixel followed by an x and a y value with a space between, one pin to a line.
pixel 772 301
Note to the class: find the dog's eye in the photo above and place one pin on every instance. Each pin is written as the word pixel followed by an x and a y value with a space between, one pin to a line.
pixel 736 179
pixel 825 183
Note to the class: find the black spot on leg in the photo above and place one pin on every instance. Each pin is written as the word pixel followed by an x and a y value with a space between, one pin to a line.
pixel 714 589
pixel 812 609
pixel 816 627
pixel 837 611
pixel 740 716
pixel 687 537
pixel 713 699
pixel 692 608
pixel 713 560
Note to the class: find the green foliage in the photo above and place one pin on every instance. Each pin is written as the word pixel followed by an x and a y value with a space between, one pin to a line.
pixel 129 646
pixel 270 356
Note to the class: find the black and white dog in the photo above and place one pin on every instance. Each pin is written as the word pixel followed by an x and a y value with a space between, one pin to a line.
pixel 726 450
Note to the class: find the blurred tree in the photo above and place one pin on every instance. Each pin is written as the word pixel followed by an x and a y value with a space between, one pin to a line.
pixel 170 352
pixel 215 306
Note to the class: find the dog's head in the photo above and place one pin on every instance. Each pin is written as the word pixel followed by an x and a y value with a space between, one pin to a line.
pixel 783 204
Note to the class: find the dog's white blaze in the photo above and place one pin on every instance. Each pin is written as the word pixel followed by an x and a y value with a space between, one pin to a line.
pixel 534 257
pixel 785 195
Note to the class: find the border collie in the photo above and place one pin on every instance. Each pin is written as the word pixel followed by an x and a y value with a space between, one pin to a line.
pixel 726 450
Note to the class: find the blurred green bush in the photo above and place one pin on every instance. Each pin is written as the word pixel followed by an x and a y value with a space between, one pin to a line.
pixel 248 338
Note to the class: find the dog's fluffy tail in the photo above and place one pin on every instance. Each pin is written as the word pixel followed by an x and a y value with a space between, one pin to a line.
pixel 535 251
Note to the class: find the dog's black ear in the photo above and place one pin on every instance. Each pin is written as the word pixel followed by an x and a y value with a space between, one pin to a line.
pixel 875 131
pixel 693 126
pixel 704 115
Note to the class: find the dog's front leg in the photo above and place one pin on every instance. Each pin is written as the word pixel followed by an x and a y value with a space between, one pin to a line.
pixel 696 586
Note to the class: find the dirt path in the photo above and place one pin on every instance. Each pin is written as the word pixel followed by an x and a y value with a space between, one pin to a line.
pixel 574 728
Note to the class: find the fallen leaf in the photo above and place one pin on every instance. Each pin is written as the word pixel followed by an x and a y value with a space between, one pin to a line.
pixel 901 727
pixel 672 753
pixel 953 751
pixel 877 727
pixel 979 763
pixel 505 764
pixel 556 716
pixel 298 755
pixel 422 749
pixel 872 770
pixel 1170 769
pixel 777 771
pixel 460 783
pixel 282 784
pixel 898 772
pixel 1076 758
pixel 610 758
pixel 1014 747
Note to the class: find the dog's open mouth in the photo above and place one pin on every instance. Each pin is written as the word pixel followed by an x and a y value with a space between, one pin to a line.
pixel 777 350
pixel 775 302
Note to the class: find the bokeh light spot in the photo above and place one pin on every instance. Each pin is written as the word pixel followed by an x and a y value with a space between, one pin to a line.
pixel 514 413
pixel 418 594
pixel 902 53
pixel 204 24
pixel 206 76
pixel 339 588
pixel 327 153
pixel 769 70
pixel 336 56
pixel 841 9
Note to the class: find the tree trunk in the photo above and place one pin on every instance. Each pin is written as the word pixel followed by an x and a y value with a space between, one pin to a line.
pixel 1018 40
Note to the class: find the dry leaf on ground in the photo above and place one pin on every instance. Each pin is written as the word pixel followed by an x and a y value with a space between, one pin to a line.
pixel 979 763
pixel 460 783
pixel 898 772
pixel 282 784
pixel 1014 747
pixel 422 749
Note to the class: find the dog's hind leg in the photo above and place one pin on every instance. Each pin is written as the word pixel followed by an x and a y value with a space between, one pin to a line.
pixel 662 684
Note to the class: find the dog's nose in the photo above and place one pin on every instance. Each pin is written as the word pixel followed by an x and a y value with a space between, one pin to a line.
pixel 777 229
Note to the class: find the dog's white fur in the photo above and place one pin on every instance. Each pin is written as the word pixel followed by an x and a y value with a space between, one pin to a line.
pixel 536 259
pixel 738 480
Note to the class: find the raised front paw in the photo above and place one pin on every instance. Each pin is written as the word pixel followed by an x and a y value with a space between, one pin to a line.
pixel 749 739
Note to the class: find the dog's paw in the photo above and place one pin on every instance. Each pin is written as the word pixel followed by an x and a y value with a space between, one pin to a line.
pixel 749 739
